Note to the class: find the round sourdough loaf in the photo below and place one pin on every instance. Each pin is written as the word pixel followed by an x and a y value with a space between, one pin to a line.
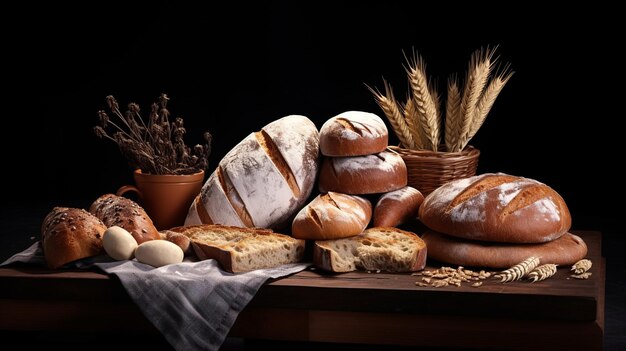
pixel 370 174
pixel 69 234
pixel 353 133
pixel 497 207
pixel 264 179
pixel 565 250
pixel 332 216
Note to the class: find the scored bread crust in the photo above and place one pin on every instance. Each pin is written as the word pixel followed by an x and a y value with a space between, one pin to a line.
pixel 565 250
pixel 263 180
pixel 229 245
pixel 497 207
pixel 69 234
pixel 332 216
pixel 370 174
pixel 379 248
pixel 353 133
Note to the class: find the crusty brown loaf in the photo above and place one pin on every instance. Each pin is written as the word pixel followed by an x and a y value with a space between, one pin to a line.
pixel 497 207
pixel 565 250
pixel 380 248
pixel 179 239
pixel 264 179
pixel 397 207
pixel 242 249
pixel 126 213
pixel 370 174
pixel 69 234
pixel 353 133
pixel 332 216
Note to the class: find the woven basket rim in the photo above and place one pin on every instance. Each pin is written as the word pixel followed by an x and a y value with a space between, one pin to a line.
pixel 468 152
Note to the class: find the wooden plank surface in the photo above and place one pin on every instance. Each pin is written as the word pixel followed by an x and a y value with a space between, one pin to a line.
pixel 318 306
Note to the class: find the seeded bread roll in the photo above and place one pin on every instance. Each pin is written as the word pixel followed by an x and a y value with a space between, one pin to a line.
pixel 371 174
pixel 123 212
pixel 264 179
pixel 70 234
pixel 353 133
pixel 497 207
pixel 332 216
pixel 397 207
pixel 565 250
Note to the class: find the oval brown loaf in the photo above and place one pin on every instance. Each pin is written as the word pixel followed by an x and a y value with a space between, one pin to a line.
pixel 397 207
pixel 70 234
pixel 264 179
pixel 565 250
pixel 126 213
pixel 370 174
pixel 353 133
pixel 497 207
pixel 332 216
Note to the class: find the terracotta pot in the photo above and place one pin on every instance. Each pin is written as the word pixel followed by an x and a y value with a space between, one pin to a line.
pixel 166 198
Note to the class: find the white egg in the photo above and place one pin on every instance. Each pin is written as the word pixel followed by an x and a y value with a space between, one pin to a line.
pixel 159 253
pixel 119 243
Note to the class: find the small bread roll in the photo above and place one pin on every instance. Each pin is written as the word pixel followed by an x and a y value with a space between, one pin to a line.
pixel 118 243
pixel 159 253
pixel 332 216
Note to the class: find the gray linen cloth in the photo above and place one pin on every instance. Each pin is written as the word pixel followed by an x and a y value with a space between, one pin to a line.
pixel 193 304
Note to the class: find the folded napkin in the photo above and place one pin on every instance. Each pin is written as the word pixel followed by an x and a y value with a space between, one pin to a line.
pixel 193 304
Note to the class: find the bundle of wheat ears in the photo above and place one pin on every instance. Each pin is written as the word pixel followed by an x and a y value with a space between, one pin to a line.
pixel 418 122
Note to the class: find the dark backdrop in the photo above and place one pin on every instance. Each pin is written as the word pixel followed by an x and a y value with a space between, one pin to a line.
pixel 234 69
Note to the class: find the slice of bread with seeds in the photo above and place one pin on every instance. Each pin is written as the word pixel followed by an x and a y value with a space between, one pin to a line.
pixel 378 248
pixel 242 249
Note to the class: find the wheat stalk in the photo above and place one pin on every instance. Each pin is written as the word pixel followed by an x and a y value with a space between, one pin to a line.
pixel 477 77
pixel 390 107
pixel 423 100
pixel 487 100
pixel 410 116
pixel 453 110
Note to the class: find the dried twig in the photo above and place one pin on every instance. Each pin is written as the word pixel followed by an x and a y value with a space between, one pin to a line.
pixel 156 147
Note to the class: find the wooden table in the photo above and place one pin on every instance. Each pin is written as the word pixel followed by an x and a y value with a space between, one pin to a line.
pixel 373 308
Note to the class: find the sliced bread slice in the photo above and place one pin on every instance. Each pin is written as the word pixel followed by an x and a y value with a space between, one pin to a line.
pixel 243 249
pixel 380 248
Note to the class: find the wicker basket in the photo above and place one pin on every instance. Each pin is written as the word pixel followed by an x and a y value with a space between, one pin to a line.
pixel 428 170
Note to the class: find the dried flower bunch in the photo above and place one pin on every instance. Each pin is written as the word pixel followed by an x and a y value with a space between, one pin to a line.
pixel 156 147
pixel 418 122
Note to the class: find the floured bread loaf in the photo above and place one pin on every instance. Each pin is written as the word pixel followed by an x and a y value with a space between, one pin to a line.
pixel 565 250
pixel 371 174
pixel 385 249
pixel 264 179
pixel 353 133
pixel 332 216
pixel 242 249
pixel 497 207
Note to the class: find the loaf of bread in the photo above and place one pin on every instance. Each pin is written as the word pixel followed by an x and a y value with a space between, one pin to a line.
pixel 332 216
pixel 497 207
pixel 371 174
pixel 243 249
pixel 353 133
pixel 264 180
pixel 125 213
pixel 397 207
pixel 381 248
pixel 70 234
pixel 565 250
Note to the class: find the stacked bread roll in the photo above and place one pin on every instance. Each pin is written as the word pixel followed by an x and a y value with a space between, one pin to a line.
pixel 498 220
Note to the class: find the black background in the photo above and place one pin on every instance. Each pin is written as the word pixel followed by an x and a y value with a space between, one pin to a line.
pixel 234 69
pixel 231 70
